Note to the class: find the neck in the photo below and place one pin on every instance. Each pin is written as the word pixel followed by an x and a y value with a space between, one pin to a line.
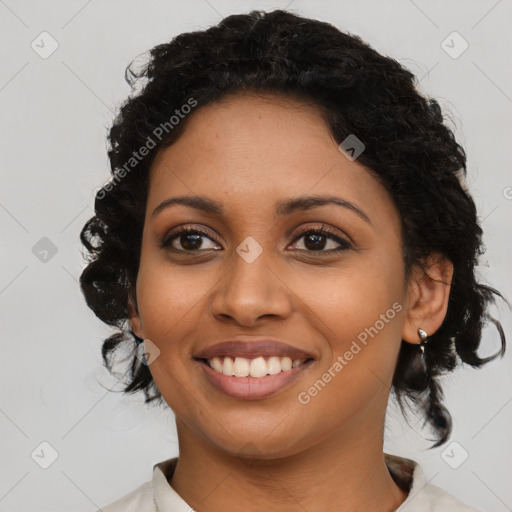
pixel 344 472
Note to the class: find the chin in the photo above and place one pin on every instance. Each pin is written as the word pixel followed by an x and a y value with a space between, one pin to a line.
pixel 255 443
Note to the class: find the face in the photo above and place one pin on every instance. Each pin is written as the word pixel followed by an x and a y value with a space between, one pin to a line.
pixel 259 268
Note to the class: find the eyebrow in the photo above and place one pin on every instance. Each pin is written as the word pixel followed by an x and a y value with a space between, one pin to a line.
pixel 284 207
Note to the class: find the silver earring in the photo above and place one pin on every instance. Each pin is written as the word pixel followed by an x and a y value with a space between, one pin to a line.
pixel 423 340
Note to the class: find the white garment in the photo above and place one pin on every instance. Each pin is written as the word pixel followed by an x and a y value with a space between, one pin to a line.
pixel 158 496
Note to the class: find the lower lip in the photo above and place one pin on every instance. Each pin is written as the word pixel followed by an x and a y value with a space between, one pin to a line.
pixel 253 388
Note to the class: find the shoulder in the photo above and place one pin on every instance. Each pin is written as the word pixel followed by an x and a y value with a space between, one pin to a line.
pixel 154 495
pixel 433 499
pixel 139 500
pixel 423 496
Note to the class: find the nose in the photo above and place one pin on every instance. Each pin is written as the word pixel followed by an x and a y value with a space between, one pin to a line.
pixel 250 291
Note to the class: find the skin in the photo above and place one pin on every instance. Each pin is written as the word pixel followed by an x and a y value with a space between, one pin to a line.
pixel 247 152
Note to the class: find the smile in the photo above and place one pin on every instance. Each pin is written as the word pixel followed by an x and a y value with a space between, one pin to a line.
pixel 252 379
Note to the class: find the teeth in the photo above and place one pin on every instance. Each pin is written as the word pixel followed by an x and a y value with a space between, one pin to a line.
pixel 274 365
pixel 286 364
pixel 241 367
pixel 216 364
pixel 258 367
pixel 227 367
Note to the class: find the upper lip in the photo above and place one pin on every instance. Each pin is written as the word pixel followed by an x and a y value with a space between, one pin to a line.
pixel 250 347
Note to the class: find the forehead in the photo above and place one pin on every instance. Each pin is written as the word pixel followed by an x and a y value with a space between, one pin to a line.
pixel 249 150
pixel 245 128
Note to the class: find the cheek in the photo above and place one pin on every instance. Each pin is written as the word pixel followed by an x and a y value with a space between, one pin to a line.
pixel 362 323
pixel 169 300
pixel 349 300
pixel 355 373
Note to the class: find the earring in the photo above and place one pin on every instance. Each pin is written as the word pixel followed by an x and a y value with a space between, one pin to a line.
pixel 137 339
pixel 423 340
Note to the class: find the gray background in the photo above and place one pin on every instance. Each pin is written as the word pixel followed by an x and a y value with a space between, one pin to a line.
pixel 55 115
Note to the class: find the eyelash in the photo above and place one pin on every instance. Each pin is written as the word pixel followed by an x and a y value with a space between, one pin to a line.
pixel 344 244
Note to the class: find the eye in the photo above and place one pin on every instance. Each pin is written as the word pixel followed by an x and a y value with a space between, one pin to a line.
pixel 317 239
pixel 189 238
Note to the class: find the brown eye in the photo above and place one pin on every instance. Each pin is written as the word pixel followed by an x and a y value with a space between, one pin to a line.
pixel 318 239
pixel 187 240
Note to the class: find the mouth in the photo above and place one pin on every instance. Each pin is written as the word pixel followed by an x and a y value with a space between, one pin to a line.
pixel 252 378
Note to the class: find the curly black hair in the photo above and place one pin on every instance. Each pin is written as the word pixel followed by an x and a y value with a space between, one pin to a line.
pixel 358 91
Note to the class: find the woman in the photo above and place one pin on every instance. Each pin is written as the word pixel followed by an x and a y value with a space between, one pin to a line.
pixel 285 239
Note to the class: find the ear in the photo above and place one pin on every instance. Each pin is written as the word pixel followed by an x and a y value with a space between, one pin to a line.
pixel 134 317
pixel 427 297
